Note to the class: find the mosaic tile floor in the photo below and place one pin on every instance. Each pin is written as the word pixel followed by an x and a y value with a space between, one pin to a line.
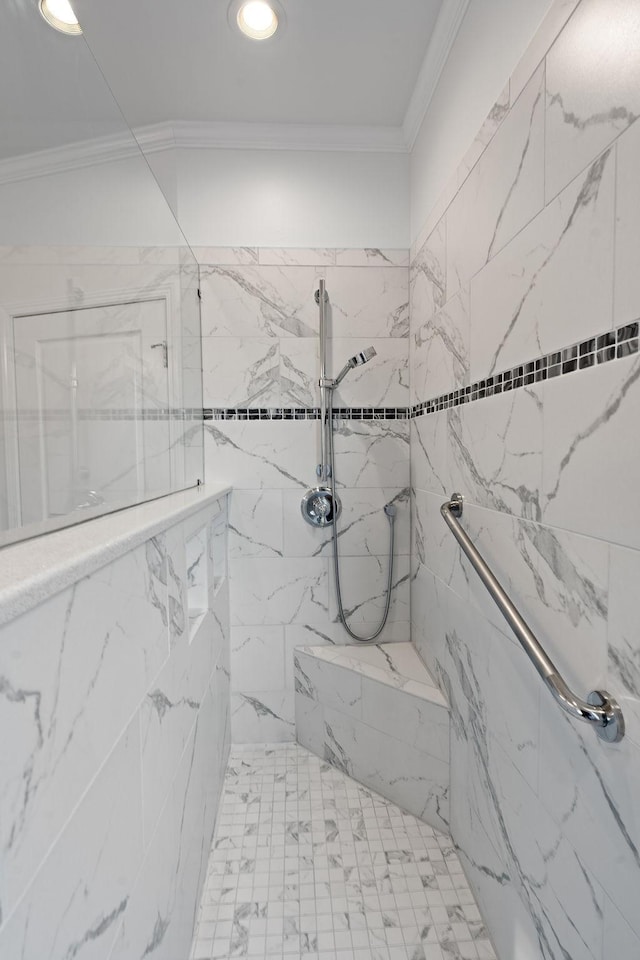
pixel 306 863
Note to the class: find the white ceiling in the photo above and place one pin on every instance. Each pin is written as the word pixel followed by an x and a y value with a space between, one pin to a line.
pixel 352 62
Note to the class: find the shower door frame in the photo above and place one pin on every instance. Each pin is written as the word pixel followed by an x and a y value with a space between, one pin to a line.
pixel 168 293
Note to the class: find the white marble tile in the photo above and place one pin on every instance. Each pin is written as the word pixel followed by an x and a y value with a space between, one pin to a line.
pixel 590 443
pixel 483 138
pixel 410 719
pixel 382 382
pixel 623 680
pixel 257 658
pixel 415 781
pixel 495 451
pixel 364 582
pixel 328 683
pixel 429 451
pixel 372 453
pixel 593 87
pixel 368 303
pixel 263 716
pixel 168 715
pixel 626 296
pixel 241 371
pixel 440 351
pixel 296 257
pixel 433 544
pixel 259 301
pixel 552 284
pixel 81 891
pixel 330 634
pixel 226 255
pixel 372 257
pixel 299 372
pixel 619 940
pixel 279 591
pixel 555 19
pixel 255 523
pixel 590 788
pixel 273 454
pixel 428 277
pixel 61 704
pixel 504 191
pixel 363 528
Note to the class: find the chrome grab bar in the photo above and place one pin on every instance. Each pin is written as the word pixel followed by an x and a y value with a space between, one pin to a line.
pixel 600 708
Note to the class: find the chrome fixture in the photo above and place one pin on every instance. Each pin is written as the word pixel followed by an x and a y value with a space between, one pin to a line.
pixel 321 505
pixel 599 709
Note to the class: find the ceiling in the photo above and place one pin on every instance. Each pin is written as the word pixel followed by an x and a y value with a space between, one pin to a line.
pixel 351 62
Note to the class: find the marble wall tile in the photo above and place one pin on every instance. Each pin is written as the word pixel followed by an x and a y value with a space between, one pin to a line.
pixel 241 371
pixel 279 591
pixel 60 700
pixel 590 789
pixel 586 423
pixel 382 382
pixel 503 192
pixel 593 87
pixel 263 716
pixel 372 257
pixel 255 523
pixel 368 303
pixel 429 452
pixel 619 940
pixel 364 581
pixel 483 138
pixel 495 452
pixel 553 284
pixel 623 680
pixel 428 277
pixel 363 528
pixel 626 297
pixel 309 716
pixel 78 897
pixel 296 257
pixel 226 255
pixel 433 545
pixel 440 350
pixel 299 372
pixel 273 454
pixel 259 301
pixel 257 658
pixel 372 453
pixel 555 19
pixel 413 720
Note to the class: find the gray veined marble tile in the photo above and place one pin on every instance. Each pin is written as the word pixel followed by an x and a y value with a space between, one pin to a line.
pixel 372 453
pixel 299 372
pixel 363 584
pixel 368 303
pixel 440 351
pixel 503 192
pixel 593 87
pixel 483 138
pixel 259 301
pixel 552 285
pixel 429 450
pixel 623 679
pixel 626 299
pixel 382 382
pixel 555 19
pixel 279 591
pixel 255 523
pixel 267 715
pixel 371 257
pixel 257 658
pixel 272 454
pixel 241 372
pixel 296 257
pixel 428 277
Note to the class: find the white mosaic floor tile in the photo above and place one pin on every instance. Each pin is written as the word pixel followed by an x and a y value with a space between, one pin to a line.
pixel 308 864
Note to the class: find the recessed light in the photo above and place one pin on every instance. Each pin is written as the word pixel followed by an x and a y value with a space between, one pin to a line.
pixel 60 16
pixel 257 19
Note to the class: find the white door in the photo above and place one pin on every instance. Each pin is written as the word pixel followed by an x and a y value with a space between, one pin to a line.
pixel 92 407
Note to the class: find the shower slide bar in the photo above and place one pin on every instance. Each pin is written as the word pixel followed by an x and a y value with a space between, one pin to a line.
pixel 600 709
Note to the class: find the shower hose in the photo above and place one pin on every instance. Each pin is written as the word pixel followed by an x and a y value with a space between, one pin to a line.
pixel 390 513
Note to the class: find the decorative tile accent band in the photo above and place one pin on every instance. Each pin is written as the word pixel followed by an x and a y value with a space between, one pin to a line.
pixel 305 413
pixel 612 345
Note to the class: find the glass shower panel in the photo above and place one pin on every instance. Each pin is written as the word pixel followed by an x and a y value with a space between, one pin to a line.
pixel 92 390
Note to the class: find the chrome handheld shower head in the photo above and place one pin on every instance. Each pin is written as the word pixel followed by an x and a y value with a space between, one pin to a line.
pixel 356 361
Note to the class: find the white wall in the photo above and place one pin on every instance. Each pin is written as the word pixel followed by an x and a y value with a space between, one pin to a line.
pixel 284 198
pixel 493 36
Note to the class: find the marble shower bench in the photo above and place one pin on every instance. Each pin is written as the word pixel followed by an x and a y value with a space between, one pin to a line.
pixel 376 713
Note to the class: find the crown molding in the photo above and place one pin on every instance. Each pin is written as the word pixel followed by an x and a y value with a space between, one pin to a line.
pixel 445 32
pixel 221 135
pixel 73 156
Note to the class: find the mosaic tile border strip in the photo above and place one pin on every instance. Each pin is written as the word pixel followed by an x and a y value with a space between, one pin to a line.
pixel 613 345
pixel 305 413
